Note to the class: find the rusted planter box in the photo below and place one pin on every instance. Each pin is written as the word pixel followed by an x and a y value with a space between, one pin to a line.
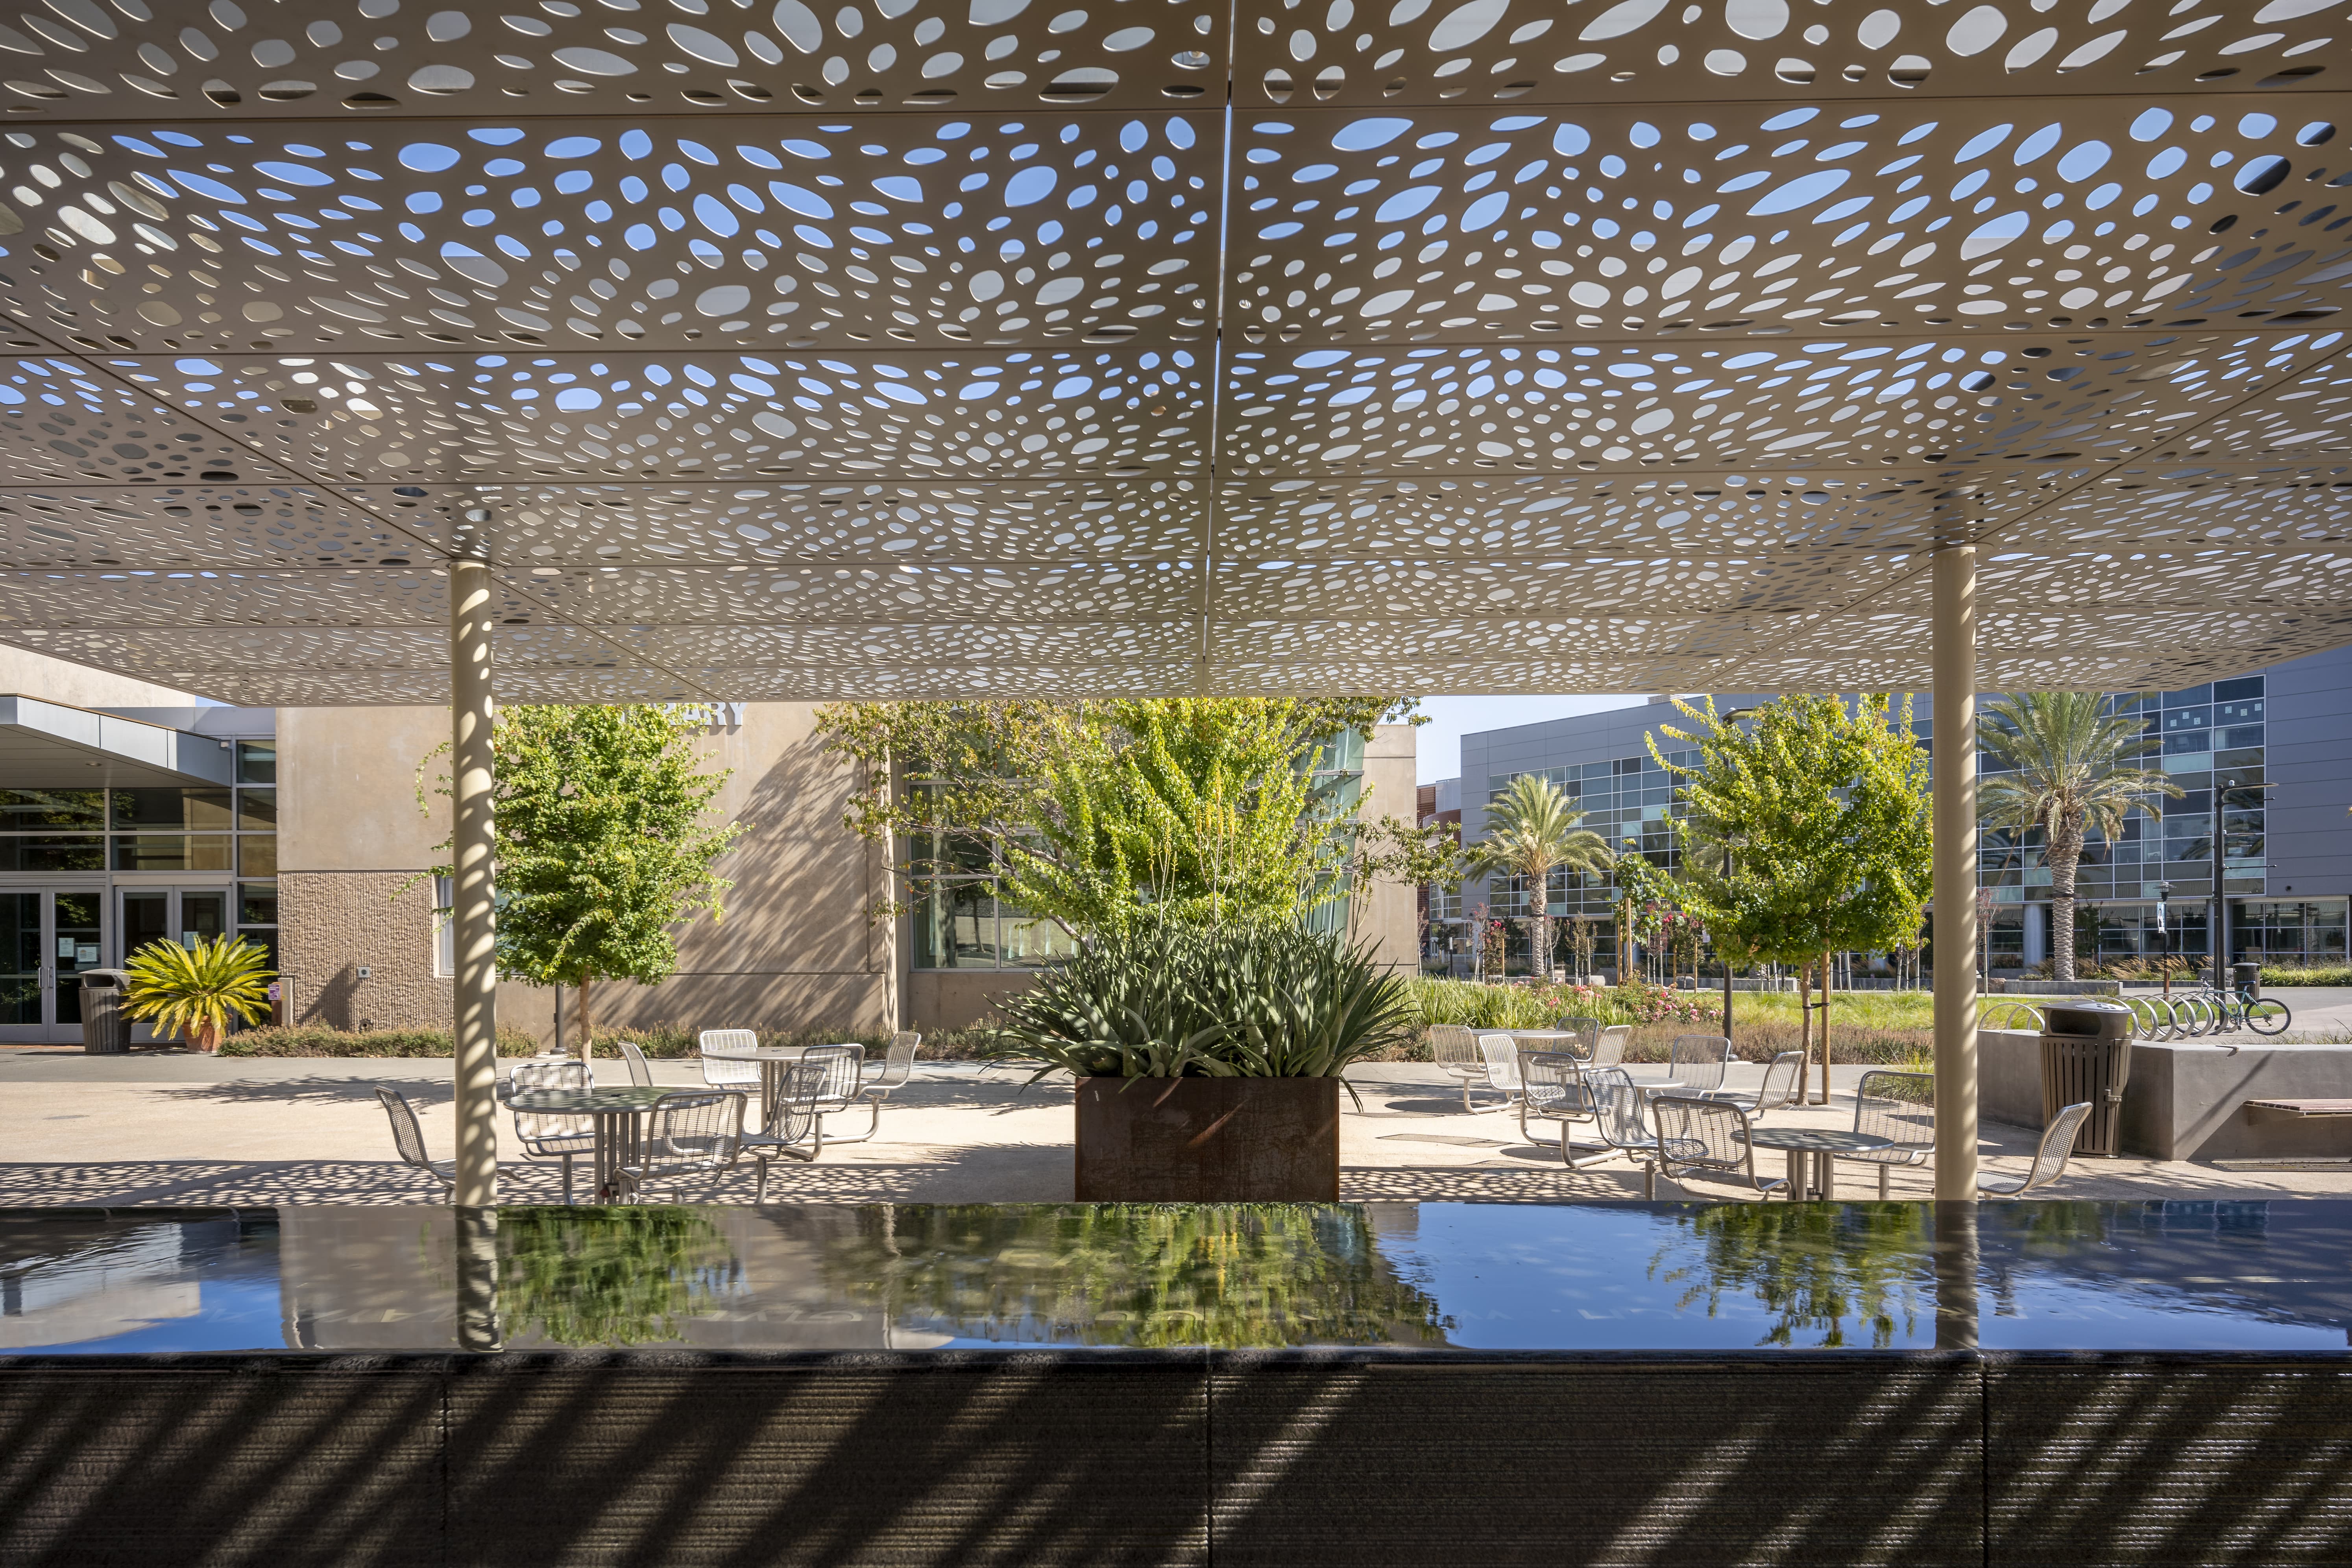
pixel 1207 1140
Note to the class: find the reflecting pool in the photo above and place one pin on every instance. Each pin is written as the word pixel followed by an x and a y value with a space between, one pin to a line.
pixel 1412 1277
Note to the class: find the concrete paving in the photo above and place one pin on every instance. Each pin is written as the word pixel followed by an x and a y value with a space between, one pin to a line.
pixel 154 1129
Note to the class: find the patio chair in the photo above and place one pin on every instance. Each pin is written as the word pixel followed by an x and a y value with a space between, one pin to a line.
pixel 1455 1051
pixel 1697 1063
pixel 1777 1092
pixel 844 1067
pixel 545 1135
pixel 897 1065
pixel 796 1131
pixel 1620 1123
pixel 1901 1108
pixel 1708 1138
pixel 729 1075
pixel 639 1073
pixel 408 1139
pixel 1501 1054
pixel 1585 1030
pixel 1550 1089
pixel 692 1133
pixel 2049 1159
pixel 1608 1045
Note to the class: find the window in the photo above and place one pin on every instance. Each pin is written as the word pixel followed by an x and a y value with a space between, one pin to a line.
pixel 444 928
pixel 256 916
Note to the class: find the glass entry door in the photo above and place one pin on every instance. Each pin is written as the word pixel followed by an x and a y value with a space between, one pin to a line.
pixel 47 939
pixel 183 915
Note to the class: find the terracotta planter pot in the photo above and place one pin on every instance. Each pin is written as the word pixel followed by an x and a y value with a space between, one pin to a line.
pixel 1207 1140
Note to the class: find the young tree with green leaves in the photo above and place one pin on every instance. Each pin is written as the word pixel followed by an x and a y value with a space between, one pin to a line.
pixel 1530 830
pixel 2069 768
pixel 604 849
pixel 1207 808
pixel 1642 889
pixel 1827 807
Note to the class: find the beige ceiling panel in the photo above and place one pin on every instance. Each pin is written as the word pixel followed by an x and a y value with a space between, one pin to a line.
pixel 182 525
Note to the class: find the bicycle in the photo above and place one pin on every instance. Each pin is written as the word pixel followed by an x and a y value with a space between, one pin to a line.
pixel 2226 1012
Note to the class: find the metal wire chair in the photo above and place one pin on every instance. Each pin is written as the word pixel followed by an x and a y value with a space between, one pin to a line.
pixel 722 1074
pixel 1585 1030
pixel 639 1073
pixel 693 1133
pixel 1697 1062
pixel 408 1139
pixel 1899 1107
pixel 1778 1091
pixel 897 1065
pixel 1501 1054
pixel 1455 1051
pixel 1608 1045
pixel 1707 1138
pixel 546 1135
pixel 1619 1121
pixel 796 1131
pixel 845 1069
pixel 1550 1089
pixel 2049 1159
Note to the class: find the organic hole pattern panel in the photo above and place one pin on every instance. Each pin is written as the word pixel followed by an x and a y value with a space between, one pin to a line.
pixel 1171 646
pixel 1475 518
pixel 2311 413
pixel 2217 577
pixel 681 596
pixel 62 421
pixel 1344 52
pixel 1442 224
pixel 546 527
pixel 227 598
pixel 195 525
pixel 1019 414
pixel 2181 504
pixel 1828 401
pixel 1761 580
pixel 122 61
pixel 781 231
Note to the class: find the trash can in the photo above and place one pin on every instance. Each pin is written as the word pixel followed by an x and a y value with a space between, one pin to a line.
pixel 2246 977
pixel 2086 1057
pixel 105 1026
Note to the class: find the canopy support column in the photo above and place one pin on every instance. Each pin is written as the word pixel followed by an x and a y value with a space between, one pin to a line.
pixel 1955 747
pixel 474 919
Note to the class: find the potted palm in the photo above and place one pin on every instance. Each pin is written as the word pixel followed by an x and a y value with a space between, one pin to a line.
pixel 1208 1058
pixel 191 992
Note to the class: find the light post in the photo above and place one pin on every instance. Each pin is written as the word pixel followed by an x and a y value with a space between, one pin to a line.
pixel 2164 929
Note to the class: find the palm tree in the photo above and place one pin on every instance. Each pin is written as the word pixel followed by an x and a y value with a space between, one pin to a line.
pixel 1530 829
pixel 2070 768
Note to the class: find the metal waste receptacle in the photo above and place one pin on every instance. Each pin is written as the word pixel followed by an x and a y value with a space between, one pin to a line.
pixel 2246 977
pixel 2086 1057
pixel 105 1026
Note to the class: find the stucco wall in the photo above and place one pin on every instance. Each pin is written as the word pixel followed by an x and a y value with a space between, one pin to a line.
pixel 27 674
pixel 1390 917
pixel 794 950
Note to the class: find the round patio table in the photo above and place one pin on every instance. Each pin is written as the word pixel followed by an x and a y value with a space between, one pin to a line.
pixel 1544 1039
pixel 619 1116
pixel 1813 1156
pixel 772 1060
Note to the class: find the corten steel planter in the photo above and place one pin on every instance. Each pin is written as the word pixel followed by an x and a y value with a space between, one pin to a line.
pixel 1207 1140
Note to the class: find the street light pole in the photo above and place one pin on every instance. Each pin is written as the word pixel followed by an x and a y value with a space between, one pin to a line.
pixel 2164 929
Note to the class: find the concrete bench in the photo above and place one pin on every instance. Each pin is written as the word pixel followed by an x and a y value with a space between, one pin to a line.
pixel 2303 1106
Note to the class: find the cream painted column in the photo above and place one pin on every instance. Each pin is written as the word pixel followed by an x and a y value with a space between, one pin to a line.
pixel 473 921
pixel 1953 666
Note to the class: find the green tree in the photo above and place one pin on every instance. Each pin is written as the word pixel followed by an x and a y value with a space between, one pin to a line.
pixel 1531 830
pixel 2068 764
pixel 1827 808
pixel 1210 810
pixel 1644 891
pixel 604 849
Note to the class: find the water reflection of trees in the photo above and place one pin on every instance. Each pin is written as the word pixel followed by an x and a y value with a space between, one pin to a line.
pixel 1817 1268
pixel 609 1275
pixel 1144 1275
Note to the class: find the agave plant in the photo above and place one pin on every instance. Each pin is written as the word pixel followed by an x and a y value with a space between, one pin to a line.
pixel 1169 1000
pixel 192 991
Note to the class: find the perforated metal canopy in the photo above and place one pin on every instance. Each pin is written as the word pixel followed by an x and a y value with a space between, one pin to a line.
pixel 912 348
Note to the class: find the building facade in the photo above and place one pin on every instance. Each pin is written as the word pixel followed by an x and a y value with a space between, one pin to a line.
pixel 2272 753
pixel 134 812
